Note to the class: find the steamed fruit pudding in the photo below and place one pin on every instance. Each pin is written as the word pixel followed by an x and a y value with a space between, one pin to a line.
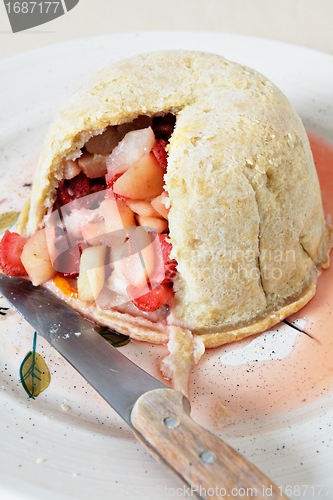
pixel 175 201
pixel 106 240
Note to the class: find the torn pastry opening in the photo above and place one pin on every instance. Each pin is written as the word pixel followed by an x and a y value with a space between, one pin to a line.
pixel 107 231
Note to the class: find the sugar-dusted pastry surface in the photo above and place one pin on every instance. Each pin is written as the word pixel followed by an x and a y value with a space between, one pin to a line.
pixel 246 220
pixel 253 224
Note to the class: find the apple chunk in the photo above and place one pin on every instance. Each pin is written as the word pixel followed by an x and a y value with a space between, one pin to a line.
pixel 36 259
pixel 158 205
pixel 93 166
pixel 92 272
pixel 158 225
pixel 117 215
pixel 71 169
pixel 93 232
pixel 138 258
pixel 142 207
pixel 144 179
pixel 134 146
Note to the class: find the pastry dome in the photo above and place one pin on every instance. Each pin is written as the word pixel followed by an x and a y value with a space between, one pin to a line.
pixel 246 220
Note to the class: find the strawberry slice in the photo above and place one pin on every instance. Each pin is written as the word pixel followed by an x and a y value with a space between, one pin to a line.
pixel 109 188
pixel 67 263
pixel 11 247
pixel 70 190
pixel 152 300
pixel 82 246
pixel 169 264
pixel 73 262
pixel 160 154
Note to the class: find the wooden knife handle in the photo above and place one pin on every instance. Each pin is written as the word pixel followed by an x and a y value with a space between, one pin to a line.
pixel 209 467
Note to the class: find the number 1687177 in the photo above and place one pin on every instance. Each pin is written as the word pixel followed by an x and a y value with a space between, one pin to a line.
pixel 30 7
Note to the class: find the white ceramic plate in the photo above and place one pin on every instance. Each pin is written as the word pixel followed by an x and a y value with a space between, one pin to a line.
pixel 280 420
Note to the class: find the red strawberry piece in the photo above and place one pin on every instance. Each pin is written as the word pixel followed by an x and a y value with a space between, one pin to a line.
pixel 109 188
pixel 67 262
pixel 152 300
pixel 11 247
pixel 70 190
pixel 160 154
pixel 169 264
pixel 82 246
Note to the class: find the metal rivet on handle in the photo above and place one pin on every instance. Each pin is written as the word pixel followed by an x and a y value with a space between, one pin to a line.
pixel 207 457
pixel 171 422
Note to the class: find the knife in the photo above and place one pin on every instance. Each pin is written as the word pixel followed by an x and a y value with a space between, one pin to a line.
pixel 159 416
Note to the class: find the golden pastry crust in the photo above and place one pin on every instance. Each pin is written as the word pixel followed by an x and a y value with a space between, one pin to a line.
pixel 216 339
pixel 246 219
pixel 185 350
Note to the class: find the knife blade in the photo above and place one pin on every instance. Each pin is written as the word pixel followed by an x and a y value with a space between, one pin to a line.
pixel 103 366
pixel 159 416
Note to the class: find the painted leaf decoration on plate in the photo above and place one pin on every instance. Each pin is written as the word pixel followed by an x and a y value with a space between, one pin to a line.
pixel 7 219
pixel 114 338
pixel 34 373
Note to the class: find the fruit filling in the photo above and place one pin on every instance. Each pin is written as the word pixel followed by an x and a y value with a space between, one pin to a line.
pixel 106 240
